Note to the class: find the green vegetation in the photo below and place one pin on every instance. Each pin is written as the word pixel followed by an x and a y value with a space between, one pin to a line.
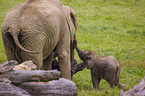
pixel 108 27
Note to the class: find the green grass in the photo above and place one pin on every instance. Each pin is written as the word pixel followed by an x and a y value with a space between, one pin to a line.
pixel 108 27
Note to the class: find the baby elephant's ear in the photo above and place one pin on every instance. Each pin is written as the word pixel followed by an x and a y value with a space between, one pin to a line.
pixel 87 57
pixel 89 63
pixel 73 17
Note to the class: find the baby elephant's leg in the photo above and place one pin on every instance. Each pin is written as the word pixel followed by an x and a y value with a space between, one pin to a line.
pixel 95 80
pixel 110 78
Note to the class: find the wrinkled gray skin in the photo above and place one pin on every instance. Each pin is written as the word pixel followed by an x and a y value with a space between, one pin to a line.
pixel 102 67
pixel 32 30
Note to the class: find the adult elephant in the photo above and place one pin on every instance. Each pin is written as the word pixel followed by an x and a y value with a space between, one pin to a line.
pixel 34 29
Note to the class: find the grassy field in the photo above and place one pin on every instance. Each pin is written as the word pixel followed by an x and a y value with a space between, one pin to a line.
pixel 108 27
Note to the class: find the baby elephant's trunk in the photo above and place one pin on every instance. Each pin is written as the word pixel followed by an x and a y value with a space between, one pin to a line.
pixel 76 46
pixel 80 53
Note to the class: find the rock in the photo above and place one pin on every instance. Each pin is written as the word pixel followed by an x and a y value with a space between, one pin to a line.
pixel 22 82
pixel 4 80
pixel 7 89
pixel 19 76
pixel 61 87
pixel 27 65
pixel 7 66
pixel 138 90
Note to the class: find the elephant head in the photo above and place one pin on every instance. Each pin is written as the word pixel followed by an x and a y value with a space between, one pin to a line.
pixel 88 57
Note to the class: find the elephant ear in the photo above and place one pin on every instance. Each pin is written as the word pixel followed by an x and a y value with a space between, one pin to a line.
pixel 89 62
pixel 73 17
pixel 90 59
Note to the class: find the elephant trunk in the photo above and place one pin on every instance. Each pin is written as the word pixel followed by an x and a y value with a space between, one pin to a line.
pixel 15 33
pixel 80 52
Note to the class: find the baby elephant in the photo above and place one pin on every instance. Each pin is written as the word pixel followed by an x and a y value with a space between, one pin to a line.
pixel 102 67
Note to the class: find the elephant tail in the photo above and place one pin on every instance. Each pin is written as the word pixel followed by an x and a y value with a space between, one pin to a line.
pixel 118 73
pixel 15 34
pixel 118 76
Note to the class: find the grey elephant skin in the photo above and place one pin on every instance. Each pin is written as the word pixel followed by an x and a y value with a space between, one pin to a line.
pixel 102 67
pixel 34 29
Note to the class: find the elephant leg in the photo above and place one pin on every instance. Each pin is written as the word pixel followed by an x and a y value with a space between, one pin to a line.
pixel 95 80
pixel 72 51
pixel 72 54
pixel 63 52
pixel 10 49
pixel 47 63
pixel 110 78
pixel 64 64
pixel 9 53
pixel 73 61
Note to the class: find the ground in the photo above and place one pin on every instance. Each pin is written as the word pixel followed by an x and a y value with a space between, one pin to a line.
pixel 107 27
